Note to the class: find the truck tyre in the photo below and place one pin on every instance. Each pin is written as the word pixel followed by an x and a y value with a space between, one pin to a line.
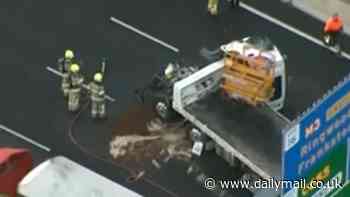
pixel 165 111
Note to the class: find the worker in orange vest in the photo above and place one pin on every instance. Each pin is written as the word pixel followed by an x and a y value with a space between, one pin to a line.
pixel 333 27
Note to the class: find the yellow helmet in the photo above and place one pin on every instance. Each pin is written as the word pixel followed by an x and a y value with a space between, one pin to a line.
pixel 74 68
pixel 169 70
pixel 98 77
pixel 69 54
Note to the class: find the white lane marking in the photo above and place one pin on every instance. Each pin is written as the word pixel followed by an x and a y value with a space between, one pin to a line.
pixel 58 73
pixel 315 13
pixel 117 21
pixel 33 142
pixel 290 28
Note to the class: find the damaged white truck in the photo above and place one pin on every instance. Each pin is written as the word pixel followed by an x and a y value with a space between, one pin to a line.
pixel 233 109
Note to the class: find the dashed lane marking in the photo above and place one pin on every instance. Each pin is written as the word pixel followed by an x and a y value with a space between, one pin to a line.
pixel 17 134
pixel 154 39
pixel 290 28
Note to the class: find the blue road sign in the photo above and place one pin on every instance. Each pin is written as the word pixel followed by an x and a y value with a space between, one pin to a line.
pixel 316 147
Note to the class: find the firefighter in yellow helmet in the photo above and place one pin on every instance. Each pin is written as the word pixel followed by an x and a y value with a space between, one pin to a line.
pixel 97 96
pixel 63 66
pixel 214 4
pixel 213 7
pixel 74 92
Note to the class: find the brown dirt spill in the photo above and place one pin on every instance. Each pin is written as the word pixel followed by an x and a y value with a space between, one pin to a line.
pixel 135 146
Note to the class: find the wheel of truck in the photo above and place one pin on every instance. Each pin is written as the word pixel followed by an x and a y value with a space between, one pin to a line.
pixel 165 111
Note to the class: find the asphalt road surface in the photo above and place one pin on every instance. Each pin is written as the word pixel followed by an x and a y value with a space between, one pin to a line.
pixel 35 33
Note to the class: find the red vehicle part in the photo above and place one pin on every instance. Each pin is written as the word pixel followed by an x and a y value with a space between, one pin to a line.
pixel 14 165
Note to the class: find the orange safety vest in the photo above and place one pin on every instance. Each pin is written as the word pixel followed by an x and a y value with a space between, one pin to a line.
pixel 333 24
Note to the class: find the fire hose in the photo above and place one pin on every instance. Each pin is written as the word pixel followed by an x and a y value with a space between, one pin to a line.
pixel 133 175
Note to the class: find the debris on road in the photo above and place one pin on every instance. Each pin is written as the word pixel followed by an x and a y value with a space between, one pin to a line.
pixel 121 145
pixel 145 141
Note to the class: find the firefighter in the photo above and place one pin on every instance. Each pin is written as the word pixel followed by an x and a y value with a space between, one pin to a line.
pixel 213 7
pixel 332 29
pixel 63 66
pixel 74 92
pixel 97 96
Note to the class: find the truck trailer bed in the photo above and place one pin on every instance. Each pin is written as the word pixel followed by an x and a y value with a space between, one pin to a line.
pixel 253 134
